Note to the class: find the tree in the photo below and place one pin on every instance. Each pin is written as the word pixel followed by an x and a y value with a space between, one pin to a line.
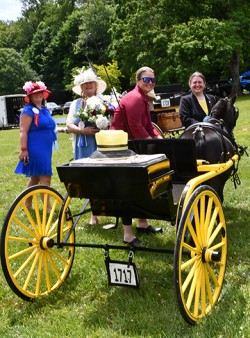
pixel 194 45
pixel 111 75
pixel 23 31
pixel 94 36
pixel 85 36
pixel 56 49
pixel 14 72
pixel 57 35
pixel 144 33
pixel 53 41
pixel 141 32
pixel 135 35
pixel 4 35
pixel 61 50
pixel 35 54
pixel 240 23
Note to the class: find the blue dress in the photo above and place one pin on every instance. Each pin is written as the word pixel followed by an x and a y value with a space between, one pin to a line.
pixel 85 144
pixel 41 137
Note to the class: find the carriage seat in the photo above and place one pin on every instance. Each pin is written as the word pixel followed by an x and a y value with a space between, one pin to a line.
pixel 180 152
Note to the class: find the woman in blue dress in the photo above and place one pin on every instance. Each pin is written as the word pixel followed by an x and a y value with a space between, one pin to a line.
pixel 37 135
pixel 86 85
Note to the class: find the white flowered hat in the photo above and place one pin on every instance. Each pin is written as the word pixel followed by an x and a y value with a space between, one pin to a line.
pixel 88 76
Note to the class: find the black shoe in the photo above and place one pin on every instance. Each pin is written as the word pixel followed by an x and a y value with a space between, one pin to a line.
pixel 149 230
pixel 134 242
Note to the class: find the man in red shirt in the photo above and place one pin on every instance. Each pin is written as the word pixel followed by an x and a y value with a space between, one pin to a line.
pixel 133 116
pixel 133 113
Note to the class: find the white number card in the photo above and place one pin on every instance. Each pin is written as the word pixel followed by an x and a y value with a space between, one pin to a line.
pixel 122 273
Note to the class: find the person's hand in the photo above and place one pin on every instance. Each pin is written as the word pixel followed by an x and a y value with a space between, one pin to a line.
pixel 24 156
pixel 206 118
pixel 89 131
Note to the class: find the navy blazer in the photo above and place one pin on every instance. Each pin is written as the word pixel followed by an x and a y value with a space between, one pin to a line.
pixel 190 110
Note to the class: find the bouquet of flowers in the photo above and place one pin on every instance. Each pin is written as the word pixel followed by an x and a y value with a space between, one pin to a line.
pixel 96 111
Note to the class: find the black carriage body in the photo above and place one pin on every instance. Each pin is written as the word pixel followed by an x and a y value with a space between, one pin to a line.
pixel 139 186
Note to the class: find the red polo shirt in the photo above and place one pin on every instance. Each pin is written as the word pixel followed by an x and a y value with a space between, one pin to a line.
pixel 134 109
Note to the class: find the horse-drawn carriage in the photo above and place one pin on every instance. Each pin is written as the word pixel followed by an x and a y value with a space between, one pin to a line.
pixel 153 179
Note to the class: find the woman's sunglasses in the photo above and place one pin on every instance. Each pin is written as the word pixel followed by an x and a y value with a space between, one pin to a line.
pixel 148 79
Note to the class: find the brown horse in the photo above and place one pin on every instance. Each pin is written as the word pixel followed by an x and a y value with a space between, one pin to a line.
pixel 214 139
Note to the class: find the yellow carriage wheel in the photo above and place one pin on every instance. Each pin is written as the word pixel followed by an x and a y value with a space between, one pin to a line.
pixel 32 263
pixel 200 254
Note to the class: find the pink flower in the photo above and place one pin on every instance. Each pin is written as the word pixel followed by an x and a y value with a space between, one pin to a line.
pixel 29 86
pixel 41 85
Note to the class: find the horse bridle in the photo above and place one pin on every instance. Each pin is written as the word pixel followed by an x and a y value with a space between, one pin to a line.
pixel 221 121
pixel 217 131
pixel 220 133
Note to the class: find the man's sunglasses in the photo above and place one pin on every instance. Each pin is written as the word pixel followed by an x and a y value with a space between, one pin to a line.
pixel 148 79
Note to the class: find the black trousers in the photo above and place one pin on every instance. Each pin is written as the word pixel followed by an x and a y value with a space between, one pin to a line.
pixel 126 220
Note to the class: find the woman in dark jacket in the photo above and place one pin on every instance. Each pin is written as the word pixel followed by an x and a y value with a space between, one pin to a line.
pixel 195 106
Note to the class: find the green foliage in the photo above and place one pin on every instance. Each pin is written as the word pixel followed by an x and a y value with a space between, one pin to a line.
pixel 14 71
pixel 111 74
pixel 56 36
pixel 49 45
pixel 61 49
pixel 36 53
pixel 196 38
pixel 240 20
pixel 61 40
pixel 33 14
pixel 4 35
pixel 94 37
pixel 135 35
pixel 145 32
pixel 141 32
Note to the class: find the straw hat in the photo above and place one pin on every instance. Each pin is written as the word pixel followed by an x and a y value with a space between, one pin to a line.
pixel 111 140
pixel 35 87
pixel 88 76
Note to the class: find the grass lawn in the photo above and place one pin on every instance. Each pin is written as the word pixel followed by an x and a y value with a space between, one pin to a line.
pixel 86 306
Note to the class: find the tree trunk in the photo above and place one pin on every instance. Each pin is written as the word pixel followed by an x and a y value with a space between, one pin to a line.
pixel 235 71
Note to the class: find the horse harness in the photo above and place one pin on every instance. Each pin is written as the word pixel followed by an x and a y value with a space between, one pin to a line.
pixel 222 134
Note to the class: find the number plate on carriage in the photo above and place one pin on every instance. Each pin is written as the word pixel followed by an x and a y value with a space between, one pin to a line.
pixel 165 103
pixel 122 274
